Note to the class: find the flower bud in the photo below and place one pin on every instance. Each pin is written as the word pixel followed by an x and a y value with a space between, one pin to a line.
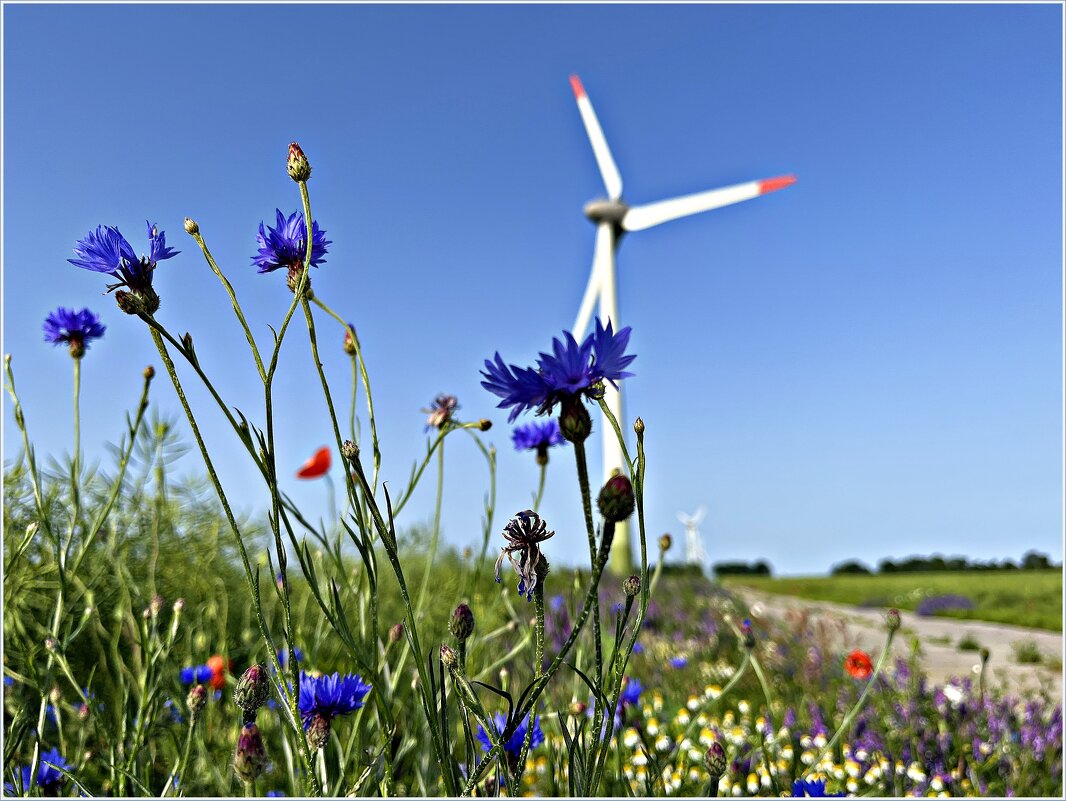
pixel 575 424
pixel 253 688
pixel 638 426
pixel 179 606
pixel 349 343
pixel 665 541
pixel 349 450
pixel 631 586
pixel 83 711
pixel 55 695
pixel 250 760
pixel 892 620
pixel 747 634
pixel 191 227
pixel 299 166
pixel 616 499
pixel 462 623
pixel 448 656
pixel 395 633
pixel 578 708
pixel 714 761
pixel 484 424
pixel 51 645
pixel 77 348
pixel 149 373
pixel 196 700
pixel 155 606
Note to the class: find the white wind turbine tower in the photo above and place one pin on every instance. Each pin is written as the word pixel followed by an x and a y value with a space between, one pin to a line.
pixel 694 553
pixel 613 218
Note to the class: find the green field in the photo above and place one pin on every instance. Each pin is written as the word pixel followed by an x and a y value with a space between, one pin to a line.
pixel 1019 597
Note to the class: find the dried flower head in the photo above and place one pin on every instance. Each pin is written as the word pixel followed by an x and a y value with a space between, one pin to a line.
pixel 524 534
pixel 440 411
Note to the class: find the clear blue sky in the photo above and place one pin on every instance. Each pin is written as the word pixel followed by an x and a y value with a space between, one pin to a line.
pixel 863 365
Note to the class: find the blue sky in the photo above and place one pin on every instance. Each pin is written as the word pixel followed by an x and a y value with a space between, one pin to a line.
pixel 866 364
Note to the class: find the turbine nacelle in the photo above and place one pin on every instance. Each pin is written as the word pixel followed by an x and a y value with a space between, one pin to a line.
pixel 602 210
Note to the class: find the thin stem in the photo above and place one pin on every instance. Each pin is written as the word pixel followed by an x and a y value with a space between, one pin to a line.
pixel 586 502
pixel 436 529
pixel 540 487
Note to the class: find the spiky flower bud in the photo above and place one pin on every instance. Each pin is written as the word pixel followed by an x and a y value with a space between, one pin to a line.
pixel 196 700
pixel 155 606
pixel 714 761
pixel 349 450
pixel 299 166
pixel 638 426
pixel 395 633
pixel 616 500
pixel 892 620
pixel 251 759
pixel 484 424
pixel 349 343
pixel 318 732
pixel 665 541
pixel 631 586
pixel 253 688
pixel 149 373
pixel 191 227
pixel 575 424
pixel 462 623
pixel 448 656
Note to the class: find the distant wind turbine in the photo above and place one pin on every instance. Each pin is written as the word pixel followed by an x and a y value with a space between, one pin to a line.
pixel 694 553
pixel 613 218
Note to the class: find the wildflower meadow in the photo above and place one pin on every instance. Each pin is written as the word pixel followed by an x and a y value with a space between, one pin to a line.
pixel 159 643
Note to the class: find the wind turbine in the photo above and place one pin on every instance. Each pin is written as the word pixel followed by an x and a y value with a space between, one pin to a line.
pixel 694 553
pixel 613 218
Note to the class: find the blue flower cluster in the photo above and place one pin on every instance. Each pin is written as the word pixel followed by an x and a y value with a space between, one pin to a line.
pixel 327 697
pixel 569 370
pixel 513 746
pixel 285 246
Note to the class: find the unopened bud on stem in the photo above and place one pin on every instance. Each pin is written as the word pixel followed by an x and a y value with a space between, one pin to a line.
pixel 299 166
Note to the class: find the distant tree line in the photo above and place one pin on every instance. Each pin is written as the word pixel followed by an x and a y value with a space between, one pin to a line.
pixel 760 568
pixel 1033 560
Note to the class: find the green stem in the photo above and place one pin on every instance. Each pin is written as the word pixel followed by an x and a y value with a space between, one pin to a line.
pixel 249 575
pixel 586 503
pixel 436 530
pixel 540 487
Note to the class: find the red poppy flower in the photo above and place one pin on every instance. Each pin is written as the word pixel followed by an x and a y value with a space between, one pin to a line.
pixel 858 664
pixel 219 665
pixel 317 465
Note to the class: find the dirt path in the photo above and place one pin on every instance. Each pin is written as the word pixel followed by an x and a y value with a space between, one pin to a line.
pixel 864 628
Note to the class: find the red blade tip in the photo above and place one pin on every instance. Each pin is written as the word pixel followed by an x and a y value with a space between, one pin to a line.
pixel 579 90
pixel 773 184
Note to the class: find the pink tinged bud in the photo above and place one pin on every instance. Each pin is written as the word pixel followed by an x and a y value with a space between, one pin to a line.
pixel 616 500
pixel 299 167
pixel 250 760
pixel 253 689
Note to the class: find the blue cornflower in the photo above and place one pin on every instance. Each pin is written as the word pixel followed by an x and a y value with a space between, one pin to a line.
pixel 196 674
pixel 812 788
pixel 174 711
pixel 534 436
pixel 513 746
pixel 630 695
pixel 570 370
pixel 47 776
pixel 286 245
pixel 75 328
pixel 106 250
pixel 327 697
pixel 678 662
pixel 8 681
pixel 283 656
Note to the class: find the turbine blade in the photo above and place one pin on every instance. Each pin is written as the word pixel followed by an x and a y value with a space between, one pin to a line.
pixel 612 180
pixel 601 258
pixel 640 217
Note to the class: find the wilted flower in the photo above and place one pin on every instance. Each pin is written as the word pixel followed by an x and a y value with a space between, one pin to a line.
pixel 48 776
pixel 524 534
pixel 318 465
pixel 570 371
pixel 513 746
pixel 323 698
pixel 105 250
pixel 440 411
pixel 75 328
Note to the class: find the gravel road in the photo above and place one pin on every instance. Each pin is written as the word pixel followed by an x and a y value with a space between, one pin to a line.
pixel 853 627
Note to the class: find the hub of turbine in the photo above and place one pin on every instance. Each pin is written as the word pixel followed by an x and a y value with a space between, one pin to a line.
pixel 611 211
